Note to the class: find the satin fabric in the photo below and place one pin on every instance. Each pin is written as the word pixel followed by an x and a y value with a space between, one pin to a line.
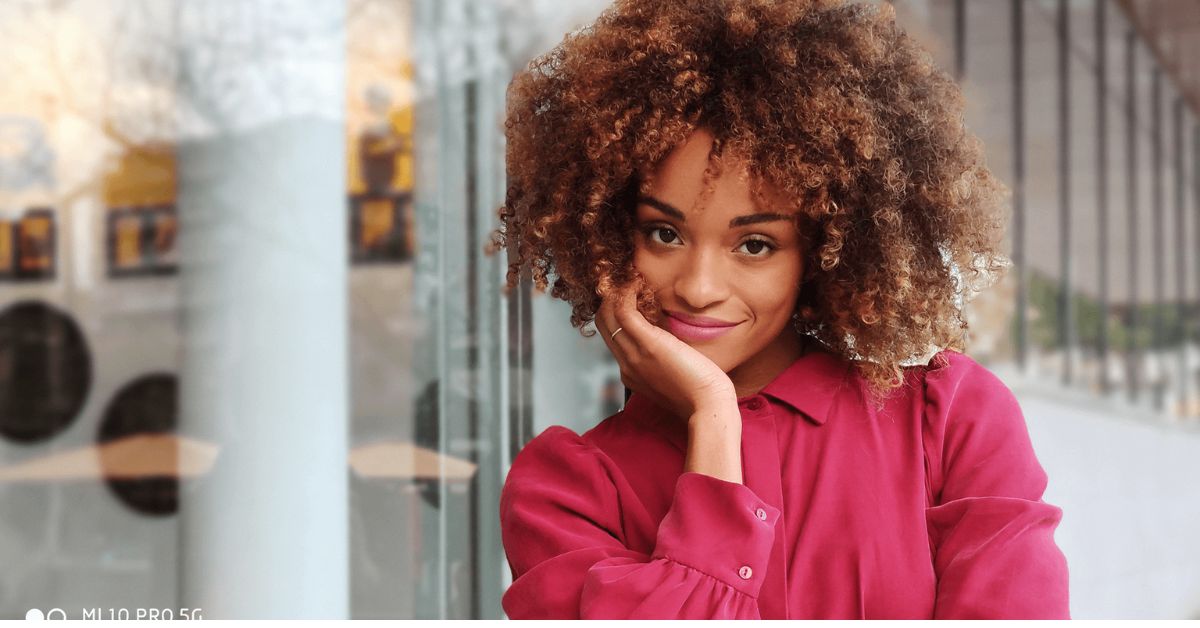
pixel 929 507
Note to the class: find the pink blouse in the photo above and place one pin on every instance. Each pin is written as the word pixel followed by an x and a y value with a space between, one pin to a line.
pixel 929 508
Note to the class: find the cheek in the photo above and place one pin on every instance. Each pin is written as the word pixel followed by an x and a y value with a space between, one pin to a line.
pixel 654 270
pixel 774 294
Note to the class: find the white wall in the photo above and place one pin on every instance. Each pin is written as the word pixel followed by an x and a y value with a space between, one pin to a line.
pixel 1127 483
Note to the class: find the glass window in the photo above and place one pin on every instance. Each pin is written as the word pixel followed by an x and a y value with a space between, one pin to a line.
pixel 1042 186
pixel 1117 246
pixel 1086 249
pixel 988 89
pixel 1148 365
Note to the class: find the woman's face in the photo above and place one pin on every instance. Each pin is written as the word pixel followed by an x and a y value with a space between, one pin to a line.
pixel 734 265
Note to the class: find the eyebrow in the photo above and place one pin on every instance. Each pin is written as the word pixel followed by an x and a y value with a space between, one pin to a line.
pixel 749 219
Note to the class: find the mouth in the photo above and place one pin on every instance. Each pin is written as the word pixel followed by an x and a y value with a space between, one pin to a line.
pixel 693 329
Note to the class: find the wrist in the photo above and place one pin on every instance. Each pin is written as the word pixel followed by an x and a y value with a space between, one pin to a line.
pixel 716 413
pixel 715 442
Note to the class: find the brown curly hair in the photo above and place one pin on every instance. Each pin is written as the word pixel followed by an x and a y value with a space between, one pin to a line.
pixel 834 107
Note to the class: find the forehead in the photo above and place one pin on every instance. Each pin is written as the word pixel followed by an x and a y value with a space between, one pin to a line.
pixel 692 179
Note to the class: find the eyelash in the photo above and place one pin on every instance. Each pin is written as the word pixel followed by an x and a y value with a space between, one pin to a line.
pixel 767 246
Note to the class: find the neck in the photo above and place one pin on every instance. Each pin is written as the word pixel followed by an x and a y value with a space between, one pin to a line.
pixel 752 376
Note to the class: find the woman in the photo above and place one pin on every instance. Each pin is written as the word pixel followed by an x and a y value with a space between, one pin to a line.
pixel 772 211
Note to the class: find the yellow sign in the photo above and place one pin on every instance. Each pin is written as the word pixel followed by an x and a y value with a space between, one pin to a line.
pixel 143 176
pixel 6 247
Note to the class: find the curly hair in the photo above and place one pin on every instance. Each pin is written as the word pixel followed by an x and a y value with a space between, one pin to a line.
pixel 834 107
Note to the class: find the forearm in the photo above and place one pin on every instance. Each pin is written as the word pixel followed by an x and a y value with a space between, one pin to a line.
pixel 715 441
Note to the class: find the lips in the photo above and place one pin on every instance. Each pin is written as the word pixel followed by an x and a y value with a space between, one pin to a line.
pixel 697 327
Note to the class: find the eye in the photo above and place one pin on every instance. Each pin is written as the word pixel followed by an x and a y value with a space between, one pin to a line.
pixel 761 248
pixel 668 234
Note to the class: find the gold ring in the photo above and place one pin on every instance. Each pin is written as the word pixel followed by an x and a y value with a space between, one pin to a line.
pixel 614 334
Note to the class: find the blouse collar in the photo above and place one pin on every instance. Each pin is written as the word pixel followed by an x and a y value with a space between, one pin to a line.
pixel 810 384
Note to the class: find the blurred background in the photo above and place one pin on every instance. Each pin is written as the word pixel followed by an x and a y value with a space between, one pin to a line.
pixel 253 360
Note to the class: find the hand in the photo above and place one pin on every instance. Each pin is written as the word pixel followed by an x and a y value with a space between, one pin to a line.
pixel 656 364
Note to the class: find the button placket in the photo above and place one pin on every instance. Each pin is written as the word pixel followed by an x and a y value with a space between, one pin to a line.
pixel 763 474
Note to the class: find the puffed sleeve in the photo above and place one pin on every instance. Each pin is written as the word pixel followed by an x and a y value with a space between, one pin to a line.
pixel 991 533
pixel 561 526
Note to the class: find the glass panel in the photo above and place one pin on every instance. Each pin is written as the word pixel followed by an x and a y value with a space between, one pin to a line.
pixel 1184 231
pixel 90 235
pixel 1166 253
pixel 574 381
pixel 1191 139
pixel 1042 193
pixel 172 189
pixel 1148 365
pixel 394 406
pixel 988 88
pixel 927 22
pixel 1117 246
pixel 1085 212
pixel 937 18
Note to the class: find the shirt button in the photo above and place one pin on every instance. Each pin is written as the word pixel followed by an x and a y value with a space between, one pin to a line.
pixel 745 572
pixel 755 404
pixel 760 513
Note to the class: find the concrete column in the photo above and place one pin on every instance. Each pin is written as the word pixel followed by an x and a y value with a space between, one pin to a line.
pixel 262 198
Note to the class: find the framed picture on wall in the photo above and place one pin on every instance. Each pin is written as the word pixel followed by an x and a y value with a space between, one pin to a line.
pixel 35 234
pixel 141 241
pixel 381 227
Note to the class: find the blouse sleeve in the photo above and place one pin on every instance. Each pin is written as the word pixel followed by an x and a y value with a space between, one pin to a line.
pixel 991 534
pixel 561 526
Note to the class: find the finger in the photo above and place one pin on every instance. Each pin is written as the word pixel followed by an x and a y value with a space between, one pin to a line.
pixel 632 340
pixel 605 325
pixel 627 316
pixel 598 319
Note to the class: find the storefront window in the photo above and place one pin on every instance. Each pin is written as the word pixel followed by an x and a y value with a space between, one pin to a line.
pixel 247 321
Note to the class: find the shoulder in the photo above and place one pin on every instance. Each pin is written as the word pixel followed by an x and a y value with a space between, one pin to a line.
pixel 554 453
pixel 952 383
pixel 955 384
pixel 553 441
pixel 559 456
pixel 603 449
pixel 555 474
pixel 959 390
pixel 629 456
pixel 557 497
pixel 975 425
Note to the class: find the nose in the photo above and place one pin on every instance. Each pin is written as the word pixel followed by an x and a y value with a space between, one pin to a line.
pixel 702 280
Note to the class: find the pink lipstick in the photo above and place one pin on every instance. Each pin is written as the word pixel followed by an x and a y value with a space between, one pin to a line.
pixel 697 327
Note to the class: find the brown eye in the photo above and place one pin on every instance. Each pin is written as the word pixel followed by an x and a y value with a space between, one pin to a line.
pixel 758 248
pixel 668 235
